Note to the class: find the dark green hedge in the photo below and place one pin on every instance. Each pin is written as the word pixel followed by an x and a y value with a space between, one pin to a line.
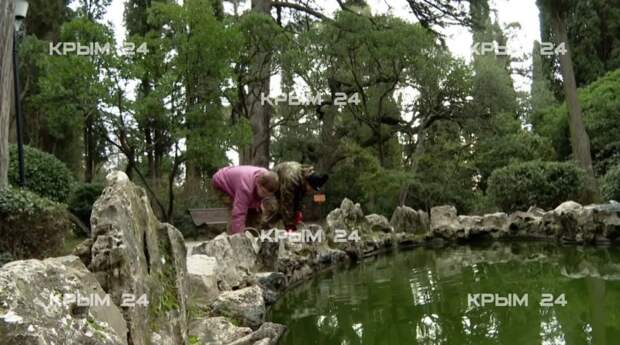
pixel 610 187
pixel 82 199
pixel 31 226
pixel 45 174
pixel 536 183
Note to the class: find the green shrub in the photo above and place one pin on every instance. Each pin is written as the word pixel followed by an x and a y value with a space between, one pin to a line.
pixel 5 257
pixel 31 226
pixel 543 184
pixel 82 199
pixel 610 187
pixel 45 174
pixel 600 105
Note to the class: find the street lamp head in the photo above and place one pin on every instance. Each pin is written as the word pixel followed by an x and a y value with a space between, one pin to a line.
pixel 21 8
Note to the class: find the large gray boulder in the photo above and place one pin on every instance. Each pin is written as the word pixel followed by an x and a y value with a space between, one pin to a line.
pixel 272 284
pixel 56 301
pixel 236 257
pixel 492 225
pixel 267 334
pixel 134 257
pixel 379 223
pixel 405 219
pixel 350 231
pixel 606 218
pixel 349 216
pixel 569 222
pixel 525 224
pixel 495 223
pixel 573 222
pixel 216 331
pixel 246 306
pixel 445 223
pixel 202 280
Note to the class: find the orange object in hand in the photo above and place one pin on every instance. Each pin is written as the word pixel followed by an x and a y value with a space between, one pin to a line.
pixel 319 198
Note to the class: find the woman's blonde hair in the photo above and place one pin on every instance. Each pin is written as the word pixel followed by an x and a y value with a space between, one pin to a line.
pixel 270 181
pixel 270 208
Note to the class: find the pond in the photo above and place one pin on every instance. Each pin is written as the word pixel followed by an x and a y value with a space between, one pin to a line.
pixel 499 293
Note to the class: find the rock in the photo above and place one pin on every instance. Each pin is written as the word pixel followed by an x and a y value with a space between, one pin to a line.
pixel 216 331
pixel 405 239
pixel 272 283
pixel 295 261
pixel 568 207
pixel 348 217
pixel 83 251
pixel 350 231
pixel 467 226
pixel 607 219
pixel 496 223
pixel 329 256
pixel 202 280
pixel 566 222
pixel 406 219
pixel 268 334
pixel 379 223
pixel 492 225
pixel 245 306
pixel 275 281
pixel 444 222
pixel 536 211
pixel 136 257
pixel 38 305
pixel 236 257
pixel 525 224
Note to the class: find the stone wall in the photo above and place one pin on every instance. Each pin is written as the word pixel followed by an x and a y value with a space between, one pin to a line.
pixel 569 222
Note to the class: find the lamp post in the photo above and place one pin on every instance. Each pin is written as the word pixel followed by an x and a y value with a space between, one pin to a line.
pixel 21 8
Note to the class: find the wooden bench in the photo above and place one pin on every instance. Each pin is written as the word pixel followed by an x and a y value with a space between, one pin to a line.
pixel 210 216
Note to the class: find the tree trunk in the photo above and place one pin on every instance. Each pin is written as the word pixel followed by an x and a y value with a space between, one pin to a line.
pixel 7 9
pixel 260 114
pixel 420 148
pixel 580 142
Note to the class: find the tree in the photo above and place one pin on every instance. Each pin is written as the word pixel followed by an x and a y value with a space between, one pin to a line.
pixel 45 17
pixel 70 94
pixel 7 19
pixel 151 115
pixel 580 141
pixel 183 102
pixel 262 40
pixel 369 144
pixel 42 26
pixel 592 30
pixel 500 138
pixel 601 121
pixel 541 94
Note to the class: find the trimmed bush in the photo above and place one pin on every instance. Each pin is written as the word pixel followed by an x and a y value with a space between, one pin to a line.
pixel 543 184
pixel 31 226
pixel 610 187
pixel 45 174
pixel 82 200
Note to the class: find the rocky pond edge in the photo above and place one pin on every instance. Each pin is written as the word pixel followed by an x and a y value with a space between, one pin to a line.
pixel 135 281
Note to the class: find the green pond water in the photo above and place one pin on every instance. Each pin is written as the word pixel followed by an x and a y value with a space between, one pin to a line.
pixel 421 297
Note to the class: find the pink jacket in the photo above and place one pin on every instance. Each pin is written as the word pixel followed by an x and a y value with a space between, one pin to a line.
pixel 240 183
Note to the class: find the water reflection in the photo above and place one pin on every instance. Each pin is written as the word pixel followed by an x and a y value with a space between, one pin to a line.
pixel 420 297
